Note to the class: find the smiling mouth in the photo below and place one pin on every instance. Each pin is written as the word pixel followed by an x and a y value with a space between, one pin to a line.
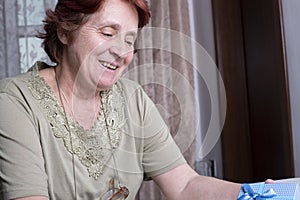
pixel 109 66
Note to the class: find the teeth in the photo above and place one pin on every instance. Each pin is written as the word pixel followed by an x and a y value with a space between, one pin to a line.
pixel 109 66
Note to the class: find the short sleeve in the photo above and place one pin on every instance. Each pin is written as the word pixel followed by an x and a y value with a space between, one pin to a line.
pixel 159 153
pixel 22 168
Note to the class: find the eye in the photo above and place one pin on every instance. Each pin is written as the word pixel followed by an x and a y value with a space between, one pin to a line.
pixel 130 40
pixel 130 43
pixel 107 34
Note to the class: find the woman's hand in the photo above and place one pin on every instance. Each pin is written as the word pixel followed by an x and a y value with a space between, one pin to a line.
pixel 270 181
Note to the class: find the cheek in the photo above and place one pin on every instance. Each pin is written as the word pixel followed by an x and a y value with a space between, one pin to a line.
pixel 87 43
pixel 129 58
pixel 88 47
pixel 86 54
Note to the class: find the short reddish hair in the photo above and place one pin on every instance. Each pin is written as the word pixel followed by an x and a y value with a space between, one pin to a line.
pixel 69 15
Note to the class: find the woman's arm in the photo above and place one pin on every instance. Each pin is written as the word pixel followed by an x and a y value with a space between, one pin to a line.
pixel 184 183
pixel 22 164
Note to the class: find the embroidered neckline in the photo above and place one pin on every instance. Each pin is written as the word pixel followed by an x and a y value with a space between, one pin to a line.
pixel 93 147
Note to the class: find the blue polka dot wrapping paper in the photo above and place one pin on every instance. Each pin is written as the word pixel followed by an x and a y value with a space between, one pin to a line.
pixel 263 191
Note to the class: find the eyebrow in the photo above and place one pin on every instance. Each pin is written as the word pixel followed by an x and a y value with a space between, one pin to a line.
pixel 117 27
pixel 111 24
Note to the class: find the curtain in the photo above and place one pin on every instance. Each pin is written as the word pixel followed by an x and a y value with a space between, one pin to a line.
pixel 19 47
pixel 162 65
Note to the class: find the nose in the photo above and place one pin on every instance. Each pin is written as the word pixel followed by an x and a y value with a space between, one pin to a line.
pixel 120 48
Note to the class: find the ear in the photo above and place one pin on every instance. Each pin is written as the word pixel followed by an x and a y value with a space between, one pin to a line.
pixel 62 36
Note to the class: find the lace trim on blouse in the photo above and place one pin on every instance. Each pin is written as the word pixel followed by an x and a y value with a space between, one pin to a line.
pixel 93 147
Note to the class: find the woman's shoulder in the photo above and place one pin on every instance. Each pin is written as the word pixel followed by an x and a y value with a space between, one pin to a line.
pixel 135 94
pixel 129 84
pixel 13 91
pixel 17 81
pixel 16 84
pixel 12 85
pixel 131 88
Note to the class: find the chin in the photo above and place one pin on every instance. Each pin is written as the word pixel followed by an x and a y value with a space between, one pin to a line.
pixel 107 80
pixel 105 85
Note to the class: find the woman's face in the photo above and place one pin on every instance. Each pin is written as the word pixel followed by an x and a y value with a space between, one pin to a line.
pixel 103 47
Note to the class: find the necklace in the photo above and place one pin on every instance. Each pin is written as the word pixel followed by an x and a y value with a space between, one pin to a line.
pixel 66 99
pixel 122 192
pixel 122 189
pixel 91 117
pixel 68 126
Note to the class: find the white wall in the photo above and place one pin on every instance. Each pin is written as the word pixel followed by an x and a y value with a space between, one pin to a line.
pixel 203 33
pixel 291 18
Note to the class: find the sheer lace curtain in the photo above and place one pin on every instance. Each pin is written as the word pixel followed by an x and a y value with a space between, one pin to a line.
pixel 19 48
pixel 162 64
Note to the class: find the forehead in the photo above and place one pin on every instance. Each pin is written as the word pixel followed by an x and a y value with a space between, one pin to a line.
pixel 119 13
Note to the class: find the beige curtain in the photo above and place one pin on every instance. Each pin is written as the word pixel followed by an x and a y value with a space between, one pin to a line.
pixel 162 65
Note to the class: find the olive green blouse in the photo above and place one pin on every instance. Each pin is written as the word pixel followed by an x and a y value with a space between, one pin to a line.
pixel 42 154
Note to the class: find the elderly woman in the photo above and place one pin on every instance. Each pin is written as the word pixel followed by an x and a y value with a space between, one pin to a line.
pixel 77 130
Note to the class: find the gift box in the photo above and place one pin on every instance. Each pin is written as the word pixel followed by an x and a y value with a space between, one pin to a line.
pixel 262 191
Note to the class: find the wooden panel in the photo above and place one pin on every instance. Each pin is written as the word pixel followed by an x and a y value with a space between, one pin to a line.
pixel 267 89
pixel 257 139
pixel 230 60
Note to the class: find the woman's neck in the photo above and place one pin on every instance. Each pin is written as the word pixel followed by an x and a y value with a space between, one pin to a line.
pixel 80 102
